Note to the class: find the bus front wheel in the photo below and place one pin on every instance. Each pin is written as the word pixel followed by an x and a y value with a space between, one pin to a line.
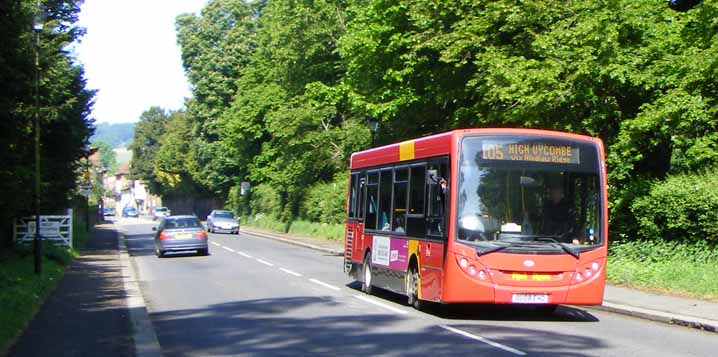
pixel 412 288
pixel 367 277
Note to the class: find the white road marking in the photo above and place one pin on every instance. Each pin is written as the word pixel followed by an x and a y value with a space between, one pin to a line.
pixel 217 244
pixel 380 304
pixel 244 254
pixel 290 272
pixel 484 340
pixel 315 281
pixel 265 262
pixel 229 249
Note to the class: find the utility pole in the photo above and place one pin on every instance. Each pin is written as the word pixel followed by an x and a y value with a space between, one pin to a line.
pixel 38 25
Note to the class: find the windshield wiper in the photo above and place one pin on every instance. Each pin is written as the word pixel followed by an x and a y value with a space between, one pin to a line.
pixel 566 248
pixel 486 250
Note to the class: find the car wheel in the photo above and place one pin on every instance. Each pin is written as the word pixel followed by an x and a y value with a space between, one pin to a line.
pixel 160 253
pixel 367 276
pixel 203 252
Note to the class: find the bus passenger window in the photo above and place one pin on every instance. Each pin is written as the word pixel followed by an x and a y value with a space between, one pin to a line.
pixel 416 190
pixel 401 177
pixel 372 198
pixel 385 183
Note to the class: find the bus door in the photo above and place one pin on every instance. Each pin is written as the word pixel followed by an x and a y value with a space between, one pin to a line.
pixel 433 247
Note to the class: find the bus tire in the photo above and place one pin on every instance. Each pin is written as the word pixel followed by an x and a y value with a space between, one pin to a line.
pixel 367 276
pixel 412 289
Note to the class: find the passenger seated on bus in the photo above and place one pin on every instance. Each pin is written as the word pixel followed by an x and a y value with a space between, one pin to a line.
pixel 399 223
pixel 558 214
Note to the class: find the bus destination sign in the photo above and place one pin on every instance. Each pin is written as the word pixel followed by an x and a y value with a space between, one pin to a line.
pixel 534 152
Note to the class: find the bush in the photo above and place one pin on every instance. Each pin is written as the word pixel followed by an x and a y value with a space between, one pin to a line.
pixel 265 199
pixel 325 202
pixel 682 208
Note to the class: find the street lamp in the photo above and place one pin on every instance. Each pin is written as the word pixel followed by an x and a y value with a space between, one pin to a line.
pixel 38 24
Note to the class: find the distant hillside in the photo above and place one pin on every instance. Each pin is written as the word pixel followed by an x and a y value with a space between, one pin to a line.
pixel 117 135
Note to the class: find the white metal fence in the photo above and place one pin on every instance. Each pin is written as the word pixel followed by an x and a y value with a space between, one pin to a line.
pixel 56 229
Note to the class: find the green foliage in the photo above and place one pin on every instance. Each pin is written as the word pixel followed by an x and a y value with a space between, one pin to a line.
pixel 145 144
pixel 22 292
pixel 330 231
pixel 266 200
pixel 115 135
pixel 682 208
pixel 687 268
pixel 60 103
pixel 326 202
pixel 107 156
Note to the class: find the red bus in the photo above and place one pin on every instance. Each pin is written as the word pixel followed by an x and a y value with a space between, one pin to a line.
pixel 504 216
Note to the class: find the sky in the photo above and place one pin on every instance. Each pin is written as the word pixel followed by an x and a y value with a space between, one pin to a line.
pixel 130 55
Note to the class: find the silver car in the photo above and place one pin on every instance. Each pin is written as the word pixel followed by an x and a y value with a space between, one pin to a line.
pixel 222 221
pixel 160 212
pixel 180 233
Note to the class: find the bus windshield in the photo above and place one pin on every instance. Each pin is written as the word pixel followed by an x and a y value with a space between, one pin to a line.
pixel 529 192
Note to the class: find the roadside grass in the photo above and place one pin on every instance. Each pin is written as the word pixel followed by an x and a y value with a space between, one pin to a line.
pixel 22 292
pixel 305 228
pixel 674 268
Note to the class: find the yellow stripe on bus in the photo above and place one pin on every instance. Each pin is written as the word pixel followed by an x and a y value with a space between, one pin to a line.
pixel 406 150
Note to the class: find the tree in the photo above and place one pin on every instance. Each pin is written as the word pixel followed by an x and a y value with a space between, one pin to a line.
pixel 148 133
pixel 215 47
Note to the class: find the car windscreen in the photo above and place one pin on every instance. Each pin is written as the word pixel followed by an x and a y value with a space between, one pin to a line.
pixel 181 223
pixel 224 215
pixel 161 209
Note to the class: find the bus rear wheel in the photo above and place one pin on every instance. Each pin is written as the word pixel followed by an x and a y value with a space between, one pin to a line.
pixel 367 277
pixel 412 289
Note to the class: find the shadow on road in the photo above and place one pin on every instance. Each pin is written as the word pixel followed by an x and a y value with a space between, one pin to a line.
pixel 265 327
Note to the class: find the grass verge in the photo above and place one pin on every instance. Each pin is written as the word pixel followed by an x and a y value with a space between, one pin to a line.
pixel 22 292
pixel 305 228
pixel 675 268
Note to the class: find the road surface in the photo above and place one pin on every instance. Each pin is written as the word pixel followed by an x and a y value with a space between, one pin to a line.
pixel 254 296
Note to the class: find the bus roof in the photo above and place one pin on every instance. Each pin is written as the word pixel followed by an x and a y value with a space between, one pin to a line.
pixel 440 144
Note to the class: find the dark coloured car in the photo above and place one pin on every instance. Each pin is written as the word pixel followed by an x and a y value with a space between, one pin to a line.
pixel 180 233
pixel 130 212
pixel 222 221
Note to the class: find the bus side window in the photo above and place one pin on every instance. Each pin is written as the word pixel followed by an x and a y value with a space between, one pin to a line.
pixel 438 196
pixel 361 193
pixel 353 196
pixel 385 187
pixel 372 198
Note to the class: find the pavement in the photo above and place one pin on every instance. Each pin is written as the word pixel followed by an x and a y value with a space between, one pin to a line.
pixel 694 313
pixel 98 309
pixel 87 314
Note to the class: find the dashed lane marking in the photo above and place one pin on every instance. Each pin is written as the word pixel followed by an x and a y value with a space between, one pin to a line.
pixel 484 340
pixel 217 244
pixel 315 281
pixel 244 254
pixel 290 272
pixel 229 249
pixel 265 262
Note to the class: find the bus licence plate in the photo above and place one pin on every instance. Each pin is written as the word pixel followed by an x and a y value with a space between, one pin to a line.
pixel 529 298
